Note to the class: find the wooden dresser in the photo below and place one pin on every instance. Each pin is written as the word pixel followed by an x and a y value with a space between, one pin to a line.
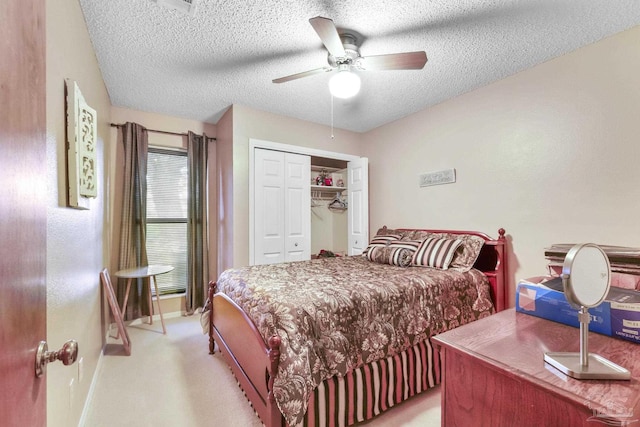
pixel 494 375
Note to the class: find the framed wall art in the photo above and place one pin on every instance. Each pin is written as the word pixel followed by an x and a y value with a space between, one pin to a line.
pixel 82 136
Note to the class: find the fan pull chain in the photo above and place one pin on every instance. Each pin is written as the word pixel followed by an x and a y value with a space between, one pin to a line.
pixel 332 137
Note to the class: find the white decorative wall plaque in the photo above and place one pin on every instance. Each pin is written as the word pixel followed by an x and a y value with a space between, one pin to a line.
pixel 82 135
pixel 446 176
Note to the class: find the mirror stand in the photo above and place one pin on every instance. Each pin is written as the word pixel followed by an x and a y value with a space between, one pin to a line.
pixel 583 365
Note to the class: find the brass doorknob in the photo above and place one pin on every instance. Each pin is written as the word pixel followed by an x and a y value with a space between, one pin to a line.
pixel 67 354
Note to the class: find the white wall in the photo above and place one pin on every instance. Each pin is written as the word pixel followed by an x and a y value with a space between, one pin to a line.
pixel 225 170
pixel 550 154
pixel 75 243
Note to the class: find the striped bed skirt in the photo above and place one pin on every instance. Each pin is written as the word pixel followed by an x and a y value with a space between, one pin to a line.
pixel 372 389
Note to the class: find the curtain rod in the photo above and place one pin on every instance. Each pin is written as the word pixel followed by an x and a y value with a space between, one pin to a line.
pixel 157 131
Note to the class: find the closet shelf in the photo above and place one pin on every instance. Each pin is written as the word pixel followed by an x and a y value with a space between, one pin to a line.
pixel 327 169
pixel 327 188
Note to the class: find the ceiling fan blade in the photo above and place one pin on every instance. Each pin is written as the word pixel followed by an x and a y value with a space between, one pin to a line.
pixel 394 61
pixel 328 33
pixel 301 75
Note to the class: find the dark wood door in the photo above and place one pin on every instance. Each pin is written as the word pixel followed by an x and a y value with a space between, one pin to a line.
pixel 23 187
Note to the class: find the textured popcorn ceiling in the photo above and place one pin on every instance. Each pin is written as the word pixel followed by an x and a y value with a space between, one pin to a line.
pixel 160 60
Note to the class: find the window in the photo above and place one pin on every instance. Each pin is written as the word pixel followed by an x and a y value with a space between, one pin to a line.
pixel 167 192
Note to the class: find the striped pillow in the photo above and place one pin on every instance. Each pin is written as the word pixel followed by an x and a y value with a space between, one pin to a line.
pixel 381 240
pixel 390 255
pixel 411 245
pixel 436 253
pixel 384 239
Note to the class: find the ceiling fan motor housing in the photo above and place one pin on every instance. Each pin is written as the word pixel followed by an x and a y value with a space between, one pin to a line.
pixel 350 48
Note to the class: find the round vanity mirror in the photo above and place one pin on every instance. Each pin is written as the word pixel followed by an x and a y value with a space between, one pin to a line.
pixel 586 275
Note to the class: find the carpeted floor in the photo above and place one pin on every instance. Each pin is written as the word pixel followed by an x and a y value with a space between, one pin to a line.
pixel 172 380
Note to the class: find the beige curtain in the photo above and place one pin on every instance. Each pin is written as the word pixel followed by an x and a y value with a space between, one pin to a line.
pixel 197 226
pixel 133 253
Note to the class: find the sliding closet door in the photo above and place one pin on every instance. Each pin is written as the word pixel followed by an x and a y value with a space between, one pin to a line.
pixel 282 218
pixel 358 211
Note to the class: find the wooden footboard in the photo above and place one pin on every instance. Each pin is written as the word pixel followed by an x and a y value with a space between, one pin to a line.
pixel 253 362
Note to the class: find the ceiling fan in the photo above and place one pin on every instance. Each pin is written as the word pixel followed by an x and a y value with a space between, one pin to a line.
pixel 344 55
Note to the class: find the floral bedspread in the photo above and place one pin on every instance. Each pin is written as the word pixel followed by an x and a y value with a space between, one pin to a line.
pixel 335 314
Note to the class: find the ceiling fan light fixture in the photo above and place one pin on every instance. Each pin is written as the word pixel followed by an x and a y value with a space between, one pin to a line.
pixel 344 84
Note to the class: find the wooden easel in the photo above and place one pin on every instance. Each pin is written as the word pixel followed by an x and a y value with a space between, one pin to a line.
pixel 115 309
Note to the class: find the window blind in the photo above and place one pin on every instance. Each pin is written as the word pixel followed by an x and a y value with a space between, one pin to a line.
pixel 167 181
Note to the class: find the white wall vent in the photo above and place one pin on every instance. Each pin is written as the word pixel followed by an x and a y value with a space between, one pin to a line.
pixel 187 7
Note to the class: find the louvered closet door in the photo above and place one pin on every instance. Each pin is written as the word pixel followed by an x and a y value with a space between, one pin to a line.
pixel 297 218
pixel 282 213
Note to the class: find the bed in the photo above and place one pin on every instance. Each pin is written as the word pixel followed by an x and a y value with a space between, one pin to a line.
pixel 320 342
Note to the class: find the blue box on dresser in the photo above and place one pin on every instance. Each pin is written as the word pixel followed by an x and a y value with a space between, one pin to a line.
pixel 618 316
